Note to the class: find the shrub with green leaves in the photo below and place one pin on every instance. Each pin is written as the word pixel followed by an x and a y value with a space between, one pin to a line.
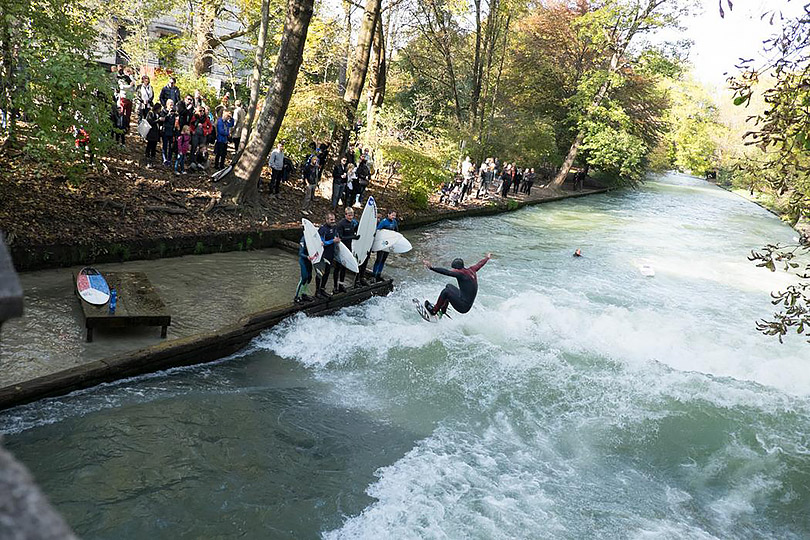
pixel 421 173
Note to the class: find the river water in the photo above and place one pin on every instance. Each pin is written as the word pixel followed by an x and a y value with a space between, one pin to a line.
pixel 578 399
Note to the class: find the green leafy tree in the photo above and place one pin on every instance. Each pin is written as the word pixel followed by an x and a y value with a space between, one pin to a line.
pixel 782 133
pixel 49 74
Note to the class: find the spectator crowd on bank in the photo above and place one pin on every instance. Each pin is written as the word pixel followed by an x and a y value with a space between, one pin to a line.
pixel 190 131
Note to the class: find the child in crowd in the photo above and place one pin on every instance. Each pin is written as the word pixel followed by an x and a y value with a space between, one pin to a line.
pixel 183 147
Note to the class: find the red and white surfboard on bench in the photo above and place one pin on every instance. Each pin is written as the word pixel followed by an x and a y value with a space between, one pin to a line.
pixel 92 287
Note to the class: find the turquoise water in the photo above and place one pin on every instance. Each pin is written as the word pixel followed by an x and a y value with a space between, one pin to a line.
pixel 578 399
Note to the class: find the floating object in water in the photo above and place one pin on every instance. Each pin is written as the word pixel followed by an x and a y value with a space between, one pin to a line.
pixel 92 287
pixel 647 270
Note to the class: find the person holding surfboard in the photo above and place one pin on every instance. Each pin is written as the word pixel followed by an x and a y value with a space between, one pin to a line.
pixel 461 297
pixel 392 224
pixel 329 237
pixel 347 232
pixel 306 273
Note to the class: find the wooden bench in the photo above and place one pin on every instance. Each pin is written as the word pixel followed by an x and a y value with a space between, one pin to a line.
pixel 137 304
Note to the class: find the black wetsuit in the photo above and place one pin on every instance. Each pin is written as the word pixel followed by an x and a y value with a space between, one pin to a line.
pixel 327 233
pixel 463 296
pixel 347 232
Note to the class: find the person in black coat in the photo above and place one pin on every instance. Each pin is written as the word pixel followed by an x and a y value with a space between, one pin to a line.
pixel 340 177
pixel 506 181
pixel 311 172
pixel 170 92
pixel 363 178
pixel 152 138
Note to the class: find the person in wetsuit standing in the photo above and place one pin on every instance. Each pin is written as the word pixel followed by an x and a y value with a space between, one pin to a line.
pixel 347 232
pixel 463 296
pixel 329 237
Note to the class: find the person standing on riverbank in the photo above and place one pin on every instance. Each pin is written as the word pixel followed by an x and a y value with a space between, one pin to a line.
pixel 153 136
pixel 310 174
pixel 167 119
pixel 224 126
pixel 170 92
pixel 340 178
pixel 363 174
pixel 276 163
pixel 391 224
pixel 144 96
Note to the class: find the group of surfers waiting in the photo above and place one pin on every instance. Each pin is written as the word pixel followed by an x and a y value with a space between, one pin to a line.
pixel 331 233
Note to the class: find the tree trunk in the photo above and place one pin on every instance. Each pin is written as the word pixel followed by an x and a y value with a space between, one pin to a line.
pixel 204 35
pixel 562 174
pixel 354 86
pixel 376 85
pixel 207 40
pixel 243 186
pixel 498 78
pixel 347 45
pixel 477 69
pixel 7 75
pixel 256 76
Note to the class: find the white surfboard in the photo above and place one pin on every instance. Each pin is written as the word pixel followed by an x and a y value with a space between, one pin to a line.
pixel 646 270
pixel 402 246
pixel 344 257
pixel 365 230
pixel 313 241
pixel 391 241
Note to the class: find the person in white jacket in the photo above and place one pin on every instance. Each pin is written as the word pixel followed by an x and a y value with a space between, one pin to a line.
pixel 239 115
pixel 276 163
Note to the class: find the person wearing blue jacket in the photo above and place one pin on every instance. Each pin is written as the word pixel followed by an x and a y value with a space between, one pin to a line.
pixel 392 224
pixel 306 273
pixel 224 126
pixel 329 237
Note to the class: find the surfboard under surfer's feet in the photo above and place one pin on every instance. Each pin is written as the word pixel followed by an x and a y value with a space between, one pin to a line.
pixel 423 311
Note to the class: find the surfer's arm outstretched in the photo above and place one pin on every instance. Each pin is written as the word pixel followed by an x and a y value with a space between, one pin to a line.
pixel 442 271
pixel 477 266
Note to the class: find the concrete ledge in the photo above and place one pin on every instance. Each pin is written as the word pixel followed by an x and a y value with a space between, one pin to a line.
pixel 197 349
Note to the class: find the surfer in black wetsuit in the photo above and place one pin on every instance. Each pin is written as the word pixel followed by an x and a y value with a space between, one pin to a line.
pixel 329 237
pixel 306 273
pixel 347 232
pixel 463 296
